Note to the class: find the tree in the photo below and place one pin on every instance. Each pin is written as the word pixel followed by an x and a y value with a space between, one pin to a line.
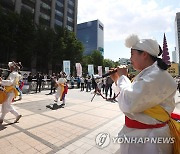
pixel 36 46
pixel 8 35
pixel 97 59
pixel 25 39
pixel 165 53
pixel 108 63
pixel 67 48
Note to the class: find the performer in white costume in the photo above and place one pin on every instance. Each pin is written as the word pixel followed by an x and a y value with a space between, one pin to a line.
pixel 151 87
pixel 60 89
pixel 11 92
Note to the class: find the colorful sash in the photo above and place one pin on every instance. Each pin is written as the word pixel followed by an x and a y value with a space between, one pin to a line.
pixel 3 96
pixel 61 85
pixel 11 89
pixel 139 125
pixel 162 115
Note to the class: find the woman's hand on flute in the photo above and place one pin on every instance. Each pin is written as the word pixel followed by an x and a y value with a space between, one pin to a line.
pixel 120 71
pixel 115 75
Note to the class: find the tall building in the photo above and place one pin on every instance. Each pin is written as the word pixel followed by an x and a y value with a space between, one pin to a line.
pixel 51 13
pixel 174 58
pixel 124 61
pixel 91 34
pixel 177 35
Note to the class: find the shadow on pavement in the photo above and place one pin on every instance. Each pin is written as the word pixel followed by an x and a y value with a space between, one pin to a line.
pixel 55 106
pixel 3 126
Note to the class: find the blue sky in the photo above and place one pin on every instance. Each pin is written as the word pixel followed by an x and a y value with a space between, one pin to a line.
pixel 146 18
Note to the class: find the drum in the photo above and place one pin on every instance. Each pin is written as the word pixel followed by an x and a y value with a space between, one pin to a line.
pixel 3 95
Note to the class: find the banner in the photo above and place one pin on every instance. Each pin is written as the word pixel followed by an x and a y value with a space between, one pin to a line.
pixel 66 67
pixel 79 69
pixel 106 69
pixel 100 70
pixel 91 69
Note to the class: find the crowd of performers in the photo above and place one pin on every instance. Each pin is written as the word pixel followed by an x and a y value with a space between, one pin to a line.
pixel 147 101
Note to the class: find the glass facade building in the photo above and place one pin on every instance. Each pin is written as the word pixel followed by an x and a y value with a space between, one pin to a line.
pixel 91 34
pixel 50 13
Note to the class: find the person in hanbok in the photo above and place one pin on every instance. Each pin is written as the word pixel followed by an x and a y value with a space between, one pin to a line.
pixel 150 94
pixel 61 87
pixel 10 88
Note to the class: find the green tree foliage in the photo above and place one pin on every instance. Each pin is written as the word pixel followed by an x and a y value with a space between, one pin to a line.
pixel 8 35
pixel 16 37
pixel 25 39
pixel 109 63
pixel 67 47
pixel 36 46
pixel 97 60
pixel 43 46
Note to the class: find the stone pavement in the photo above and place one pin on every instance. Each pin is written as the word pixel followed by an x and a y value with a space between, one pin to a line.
pixel 69 130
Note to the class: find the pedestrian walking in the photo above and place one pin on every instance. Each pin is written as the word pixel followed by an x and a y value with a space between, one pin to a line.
pixel 82 83
pixel 88 86
pixel 39 79
pixel 108 87
pixel 53 82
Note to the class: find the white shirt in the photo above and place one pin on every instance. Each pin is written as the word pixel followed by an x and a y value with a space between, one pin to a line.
pixel 12 79
pixel 61 81
pixel 151 87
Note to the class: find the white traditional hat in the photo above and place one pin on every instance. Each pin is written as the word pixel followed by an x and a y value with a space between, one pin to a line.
pixel 10 64
pixel 148 45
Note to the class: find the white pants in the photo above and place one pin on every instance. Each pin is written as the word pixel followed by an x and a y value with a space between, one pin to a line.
pixel 57 95
pixel 146 148
pixel 7 107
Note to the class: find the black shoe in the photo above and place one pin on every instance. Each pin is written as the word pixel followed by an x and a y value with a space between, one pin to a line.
pixel 1 121
pixel 17 118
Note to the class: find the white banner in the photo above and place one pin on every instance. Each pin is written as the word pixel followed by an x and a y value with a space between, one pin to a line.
pixel 100 70
pixel 66 67
pixel 106 69
pixel 79 69
pixel 91 69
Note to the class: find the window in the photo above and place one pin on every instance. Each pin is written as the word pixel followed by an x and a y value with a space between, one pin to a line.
pixel 59 4
pixel 45 5
pixel 101 27
pixel 44 16
pixel 28 8
pixel 58 22
pixel 69 19
pixel 70 11
pixel 59 13
pixel 71 2
pixel 69 28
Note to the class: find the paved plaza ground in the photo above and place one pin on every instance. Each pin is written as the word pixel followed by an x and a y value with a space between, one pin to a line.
pixel 69 130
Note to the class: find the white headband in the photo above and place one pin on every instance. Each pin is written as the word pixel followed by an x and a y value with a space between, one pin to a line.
pixel 147 45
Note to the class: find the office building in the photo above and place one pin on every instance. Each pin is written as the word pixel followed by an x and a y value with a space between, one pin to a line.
pixel 50 13
pixel 91 34
pixel 124 61
pixel 174 58
pixel 177 35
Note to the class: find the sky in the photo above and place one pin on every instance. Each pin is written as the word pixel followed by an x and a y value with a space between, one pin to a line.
pixel 146 18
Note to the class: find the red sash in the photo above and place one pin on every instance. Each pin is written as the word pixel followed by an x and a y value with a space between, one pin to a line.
pixel 136 124
pixel 175 116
